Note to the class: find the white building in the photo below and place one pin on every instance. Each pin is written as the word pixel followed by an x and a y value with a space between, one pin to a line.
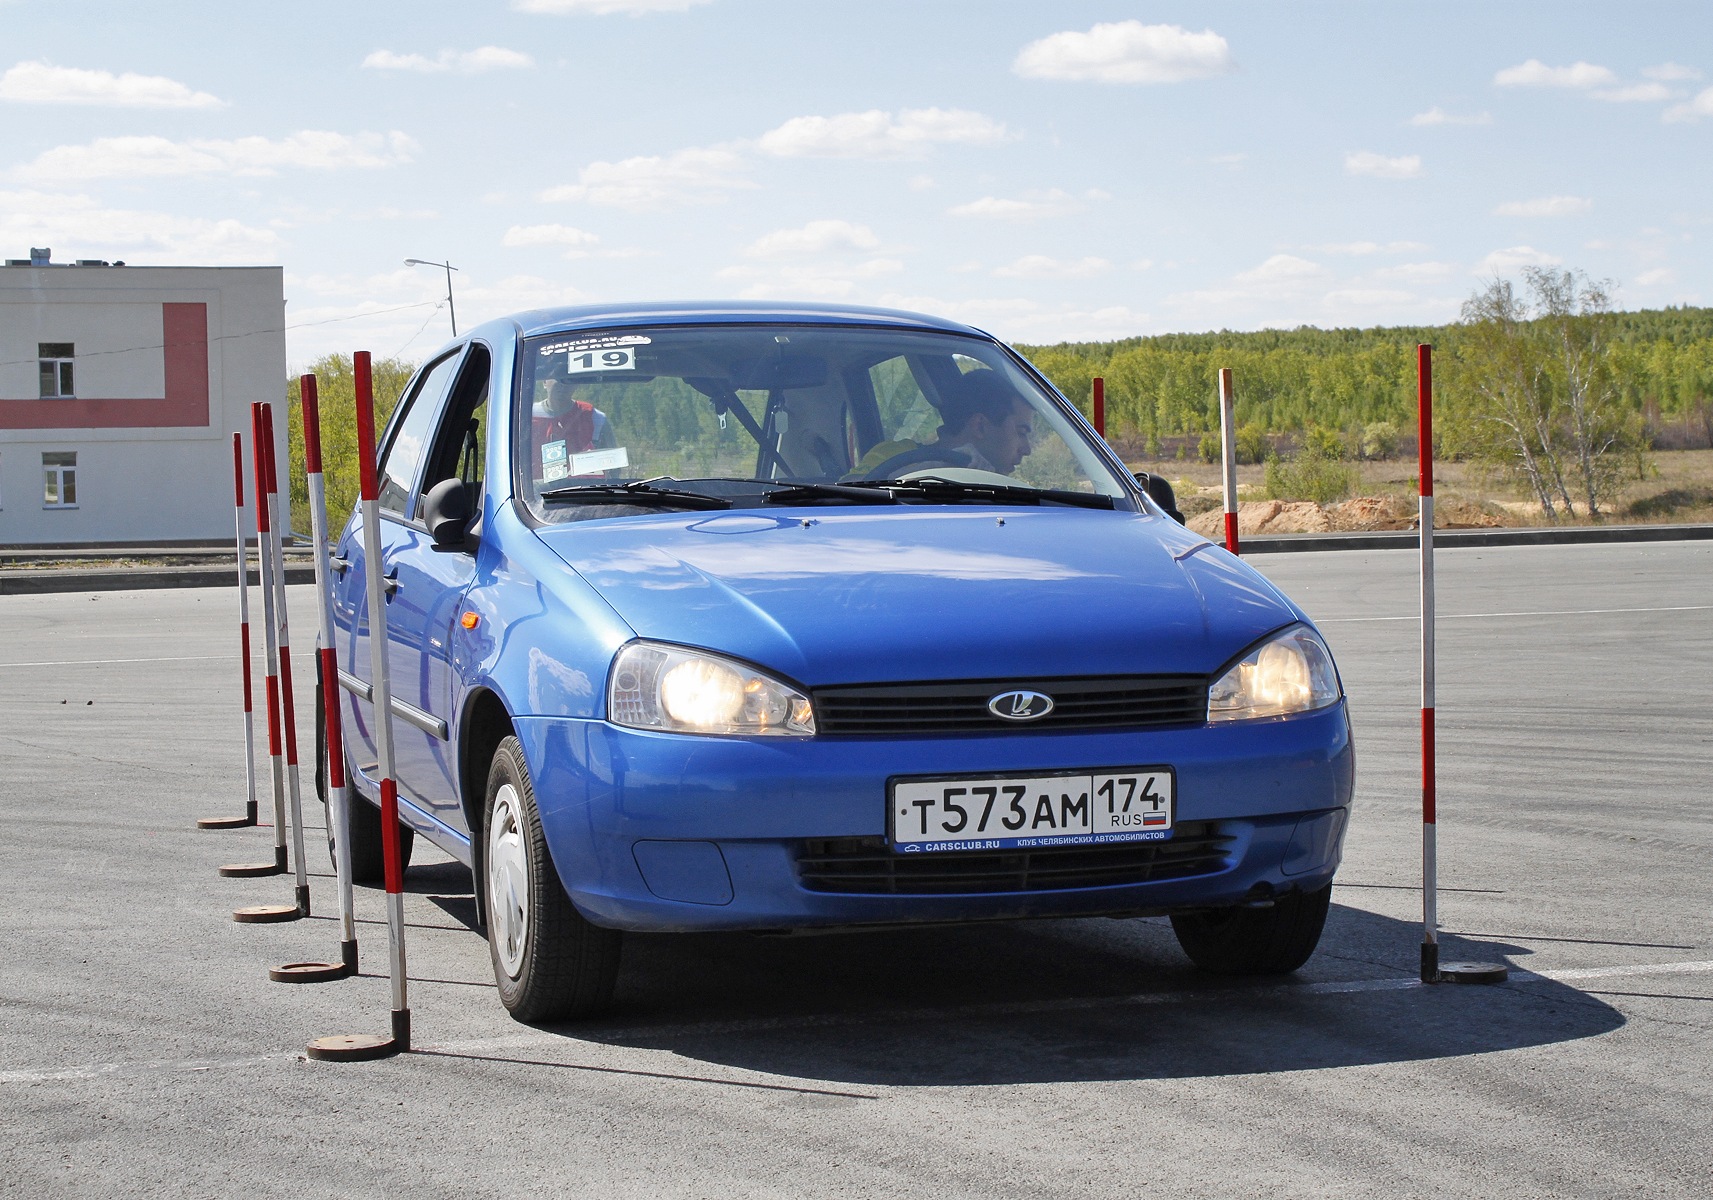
pixel 120 389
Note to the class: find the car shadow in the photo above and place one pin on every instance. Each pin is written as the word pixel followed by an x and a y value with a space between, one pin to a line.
pixel 1064 1001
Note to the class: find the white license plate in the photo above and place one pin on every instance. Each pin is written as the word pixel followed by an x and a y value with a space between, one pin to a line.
pixel 1006 812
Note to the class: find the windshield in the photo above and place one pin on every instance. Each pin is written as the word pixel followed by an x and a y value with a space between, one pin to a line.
pixel 734 410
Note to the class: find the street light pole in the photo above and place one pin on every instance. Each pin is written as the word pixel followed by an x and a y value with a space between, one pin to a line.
pixel 449 268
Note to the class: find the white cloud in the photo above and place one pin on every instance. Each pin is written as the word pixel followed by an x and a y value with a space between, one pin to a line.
pixel 140 157
pixel 547 235
pixel 1361 249
pixel 817 237
pixel 820 281
pixel 1694 110
pixel 1637 93
pixel 1018 319
pixel 1360 299
pixel 1126 52
pixel 1438 116
pixel 1380 166
pixel 1535 73
pixel 1281 269
pixel 879 134
pixel 922 183
pixel 1418 272
pixel 1656 277
pixel 695 176
pixel 1671 71
pixel 466 62
pixel 1041 204
pixel 603 8
pixel 1039 266
pixel 1231 161
pixel 84 228
pixel 1546 206
pixel 43 83
pixel 1503 262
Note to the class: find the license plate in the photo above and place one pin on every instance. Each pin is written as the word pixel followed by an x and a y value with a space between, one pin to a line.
pixel 1008 812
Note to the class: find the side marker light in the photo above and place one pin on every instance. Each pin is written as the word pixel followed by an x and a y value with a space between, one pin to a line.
pixel 469 620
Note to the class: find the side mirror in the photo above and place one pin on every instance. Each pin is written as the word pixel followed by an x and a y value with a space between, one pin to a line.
pixel 1161 493
pixel 446 512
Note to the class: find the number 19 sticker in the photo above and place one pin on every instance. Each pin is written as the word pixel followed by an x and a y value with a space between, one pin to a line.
pixel 619 359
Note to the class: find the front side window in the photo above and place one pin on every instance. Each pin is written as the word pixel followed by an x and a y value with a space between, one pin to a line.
pixel 54 366
pixel 409 436
pixel 714 408
pixel 59 479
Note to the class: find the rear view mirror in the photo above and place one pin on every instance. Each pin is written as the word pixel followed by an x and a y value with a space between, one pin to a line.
pixel 446 512
pixel 1161 493
pixel 784 372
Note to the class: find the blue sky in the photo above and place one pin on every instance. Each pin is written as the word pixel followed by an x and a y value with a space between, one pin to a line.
pixel 1047 171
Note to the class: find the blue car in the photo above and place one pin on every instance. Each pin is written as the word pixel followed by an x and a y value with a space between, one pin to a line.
pixel 774 617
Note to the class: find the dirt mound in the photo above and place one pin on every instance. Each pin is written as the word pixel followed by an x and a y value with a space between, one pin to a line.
pixel 1258 517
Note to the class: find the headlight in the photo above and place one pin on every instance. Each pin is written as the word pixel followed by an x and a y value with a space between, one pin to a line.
pixel 690 691
pixel 1291 672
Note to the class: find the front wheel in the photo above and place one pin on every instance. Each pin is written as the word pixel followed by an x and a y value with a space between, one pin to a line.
pixel 549 962
pixel 1255 941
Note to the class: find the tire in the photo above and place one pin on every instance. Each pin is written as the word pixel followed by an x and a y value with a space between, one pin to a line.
pixel 549 962
pixel 368 860
pixel 1255 941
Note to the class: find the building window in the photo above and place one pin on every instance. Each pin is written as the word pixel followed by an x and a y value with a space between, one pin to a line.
pixel 59 479
pixel 55 369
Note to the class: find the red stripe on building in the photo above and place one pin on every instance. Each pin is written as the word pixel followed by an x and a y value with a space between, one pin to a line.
pixel 184 349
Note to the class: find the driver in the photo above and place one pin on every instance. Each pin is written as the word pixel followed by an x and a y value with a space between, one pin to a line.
pixel 564 424
pixel 987 426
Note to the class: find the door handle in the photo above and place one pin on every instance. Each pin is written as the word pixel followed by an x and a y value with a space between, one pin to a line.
pixel 390 582
pixel 339 565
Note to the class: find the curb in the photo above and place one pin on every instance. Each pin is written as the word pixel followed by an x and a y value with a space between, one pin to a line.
pixel 1442 538
pixel 23 583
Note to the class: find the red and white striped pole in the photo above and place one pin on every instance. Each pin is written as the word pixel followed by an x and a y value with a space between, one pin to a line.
pixel 288 704
pixel 350 1047
pixel 1100 406
pixel 338 798
pixel 249 817
pixel 1430 817
pixel 267 561
pixel 1228 453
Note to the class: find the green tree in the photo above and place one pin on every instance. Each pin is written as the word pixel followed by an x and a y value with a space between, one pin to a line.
pixel 336 396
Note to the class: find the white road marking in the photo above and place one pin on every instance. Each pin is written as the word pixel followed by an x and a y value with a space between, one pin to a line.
pixel 1564 612
pixel 522 1041
pixel 107 662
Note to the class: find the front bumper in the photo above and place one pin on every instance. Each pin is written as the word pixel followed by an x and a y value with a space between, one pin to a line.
pixel 666 832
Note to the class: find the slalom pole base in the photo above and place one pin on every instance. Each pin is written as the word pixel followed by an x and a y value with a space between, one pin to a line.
pixel 280 857
pixel 353 1047
pixel 267 914
pixel 225 822
pixel 309 972
pixel 348 956
pixel 1473 972
pixel 303 898
pixel 250 870
pixel 401 1028
pixel 1430 962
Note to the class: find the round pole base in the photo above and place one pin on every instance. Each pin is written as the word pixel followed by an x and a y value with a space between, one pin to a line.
pixel 250 870
pixel 1473 972
pixel 267 914
pixel 225 822
pixel 309 972
pixel 352 1047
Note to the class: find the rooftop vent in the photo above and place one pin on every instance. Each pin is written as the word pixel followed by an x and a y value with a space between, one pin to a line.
pixel 40 256
pixel 92 262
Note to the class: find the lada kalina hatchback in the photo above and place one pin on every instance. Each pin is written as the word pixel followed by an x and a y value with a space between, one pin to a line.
pixel 748 617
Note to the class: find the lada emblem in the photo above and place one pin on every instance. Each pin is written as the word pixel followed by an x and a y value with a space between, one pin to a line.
pixel 1020 705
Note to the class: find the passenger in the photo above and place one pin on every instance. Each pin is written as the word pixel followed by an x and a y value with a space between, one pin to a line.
pixel 565 424
pixel 987 427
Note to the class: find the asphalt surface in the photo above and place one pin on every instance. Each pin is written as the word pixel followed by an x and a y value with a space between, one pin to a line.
pixel 143 1050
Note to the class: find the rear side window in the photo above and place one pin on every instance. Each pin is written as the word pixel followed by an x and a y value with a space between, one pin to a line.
pixel 409 439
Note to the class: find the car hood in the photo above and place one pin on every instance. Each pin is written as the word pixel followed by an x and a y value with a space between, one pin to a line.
pixel 827 596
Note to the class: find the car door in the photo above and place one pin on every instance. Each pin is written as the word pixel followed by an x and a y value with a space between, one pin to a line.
pixel 404 449
pixel 429 583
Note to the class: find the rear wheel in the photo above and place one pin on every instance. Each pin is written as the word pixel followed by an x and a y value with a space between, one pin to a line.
pixel 368 863
pixel 549 962
pixel 1255 941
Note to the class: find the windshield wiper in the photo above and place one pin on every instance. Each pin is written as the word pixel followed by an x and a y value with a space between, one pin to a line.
pixel 850 493
pixel 643 493
pixel 933 487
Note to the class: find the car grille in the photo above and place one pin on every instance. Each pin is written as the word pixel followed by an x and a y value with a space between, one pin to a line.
pixel 867 866
pixel 1135 702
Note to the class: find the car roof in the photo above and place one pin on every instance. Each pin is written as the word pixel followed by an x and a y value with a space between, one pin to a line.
pixel 721 312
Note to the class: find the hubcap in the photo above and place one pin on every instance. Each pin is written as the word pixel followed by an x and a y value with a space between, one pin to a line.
pixel 508 881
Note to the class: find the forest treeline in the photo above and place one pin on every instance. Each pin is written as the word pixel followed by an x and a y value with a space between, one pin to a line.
pixel 1161 398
